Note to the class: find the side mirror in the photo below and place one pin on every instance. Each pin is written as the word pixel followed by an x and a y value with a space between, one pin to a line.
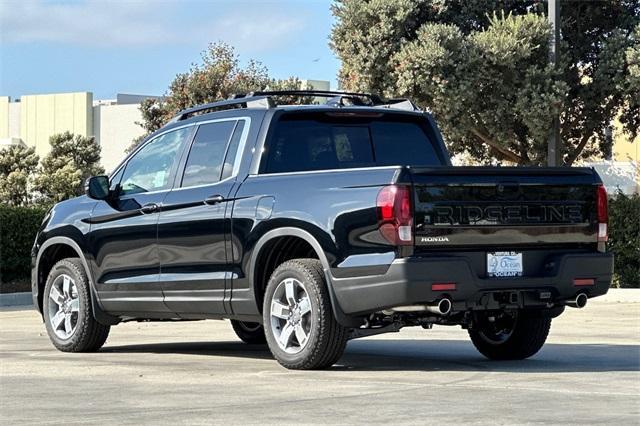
pixel 97 187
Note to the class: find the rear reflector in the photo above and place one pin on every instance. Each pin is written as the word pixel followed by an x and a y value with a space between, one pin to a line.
pixel 443 286
pixel 578 282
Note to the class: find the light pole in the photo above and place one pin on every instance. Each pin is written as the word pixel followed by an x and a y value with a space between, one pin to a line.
pixel 554 149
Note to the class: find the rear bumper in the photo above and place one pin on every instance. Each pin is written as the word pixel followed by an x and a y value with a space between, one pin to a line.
pixel 408 281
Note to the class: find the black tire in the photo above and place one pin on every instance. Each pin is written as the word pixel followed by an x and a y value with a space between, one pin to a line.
pixel 88 335
pixel 524 337
pixel 249 332
pixel 326 338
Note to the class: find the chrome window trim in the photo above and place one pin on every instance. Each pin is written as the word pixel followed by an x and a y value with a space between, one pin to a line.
pixel 306 172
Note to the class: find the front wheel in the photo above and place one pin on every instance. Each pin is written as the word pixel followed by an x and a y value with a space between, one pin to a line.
pixel 67 310
pixel 301 330
pixel 509 335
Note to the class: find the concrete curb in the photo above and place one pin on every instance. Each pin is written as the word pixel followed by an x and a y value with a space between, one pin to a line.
pixel 16 299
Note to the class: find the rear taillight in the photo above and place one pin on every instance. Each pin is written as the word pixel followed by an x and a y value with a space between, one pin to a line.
pixel 395 216
pixel 602 213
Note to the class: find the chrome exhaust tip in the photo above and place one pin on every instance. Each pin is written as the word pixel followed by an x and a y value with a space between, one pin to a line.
pixel 580 301
pixel 443 307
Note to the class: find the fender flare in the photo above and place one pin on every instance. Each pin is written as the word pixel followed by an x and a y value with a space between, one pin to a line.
pixel 287 231
pixel 98 313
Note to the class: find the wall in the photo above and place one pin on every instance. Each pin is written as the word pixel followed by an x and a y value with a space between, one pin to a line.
pixel 624 149
pixel 14 120
pixel 115 128
pixel 45 115
pixel 9 122
pixel 4 117
pixel 627 151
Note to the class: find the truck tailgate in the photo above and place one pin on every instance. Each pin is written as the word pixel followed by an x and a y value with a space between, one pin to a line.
pixel 504 207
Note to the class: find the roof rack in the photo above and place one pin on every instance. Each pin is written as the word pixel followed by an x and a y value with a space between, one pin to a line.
pixel 237 101
pixel 354 96
pixel 263 99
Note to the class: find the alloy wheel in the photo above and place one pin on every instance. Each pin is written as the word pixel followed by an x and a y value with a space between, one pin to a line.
pixel 63 312
pixel 291 315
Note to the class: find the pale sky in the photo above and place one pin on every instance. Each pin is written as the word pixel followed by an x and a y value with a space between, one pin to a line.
pixel 138 46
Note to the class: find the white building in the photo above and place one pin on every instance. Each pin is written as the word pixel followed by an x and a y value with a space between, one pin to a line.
pixel 33 119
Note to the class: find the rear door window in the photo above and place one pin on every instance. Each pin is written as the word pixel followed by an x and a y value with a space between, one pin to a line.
pixel 206 157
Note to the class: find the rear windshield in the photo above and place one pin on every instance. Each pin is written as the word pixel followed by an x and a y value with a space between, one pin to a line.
pixel 320 142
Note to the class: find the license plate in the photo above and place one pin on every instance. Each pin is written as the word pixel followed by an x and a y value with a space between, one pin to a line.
pixel 504 264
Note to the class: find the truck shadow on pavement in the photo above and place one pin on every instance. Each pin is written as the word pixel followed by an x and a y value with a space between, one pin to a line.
pixel 456 355
pixel 426 355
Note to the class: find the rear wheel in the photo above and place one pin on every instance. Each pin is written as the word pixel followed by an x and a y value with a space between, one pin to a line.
pixel 249 332
pixel 509 335
pixel 67 310
pixel 301 330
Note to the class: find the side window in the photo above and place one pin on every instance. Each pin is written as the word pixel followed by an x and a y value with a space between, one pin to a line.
pixel 317 142
pixel 206 158
pixel 301 145
pixel 150 168
pixel 232 151
pixel 401 143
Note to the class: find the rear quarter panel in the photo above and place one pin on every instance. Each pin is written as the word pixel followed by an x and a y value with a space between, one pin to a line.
pixel 338 208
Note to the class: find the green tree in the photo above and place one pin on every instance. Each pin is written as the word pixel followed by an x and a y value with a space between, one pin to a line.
pixel 72 159
pixel 482 69
pixel 18 165
pixel 218 76
pixel 631 116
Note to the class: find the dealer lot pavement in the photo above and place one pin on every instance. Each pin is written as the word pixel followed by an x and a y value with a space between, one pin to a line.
pixel 199 373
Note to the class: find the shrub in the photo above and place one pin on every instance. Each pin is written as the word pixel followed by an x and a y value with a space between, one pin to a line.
pixel 18 166
pixel 624 239
pixel 18 228
pixel 73 158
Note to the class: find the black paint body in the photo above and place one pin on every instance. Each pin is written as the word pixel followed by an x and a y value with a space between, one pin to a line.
pixel 187 258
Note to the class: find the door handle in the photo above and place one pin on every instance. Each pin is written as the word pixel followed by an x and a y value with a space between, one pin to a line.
pixel 149 208
pixel 214 199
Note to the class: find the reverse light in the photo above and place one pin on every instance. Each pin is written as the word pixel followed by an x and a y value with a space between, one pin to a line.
pixel 602 210
pixel 395 217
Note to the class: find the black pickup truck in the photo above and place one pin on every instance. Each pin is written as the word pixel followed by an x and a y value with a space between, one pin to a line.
pixel 309 225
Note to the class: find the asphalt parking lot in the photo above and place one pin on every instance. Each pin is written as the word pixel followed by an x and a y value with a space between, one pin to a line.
pixel 200 373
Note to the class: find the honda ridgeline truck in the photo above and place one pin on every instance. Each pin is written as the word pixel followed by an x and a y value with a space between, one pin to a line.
pixel 309 225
